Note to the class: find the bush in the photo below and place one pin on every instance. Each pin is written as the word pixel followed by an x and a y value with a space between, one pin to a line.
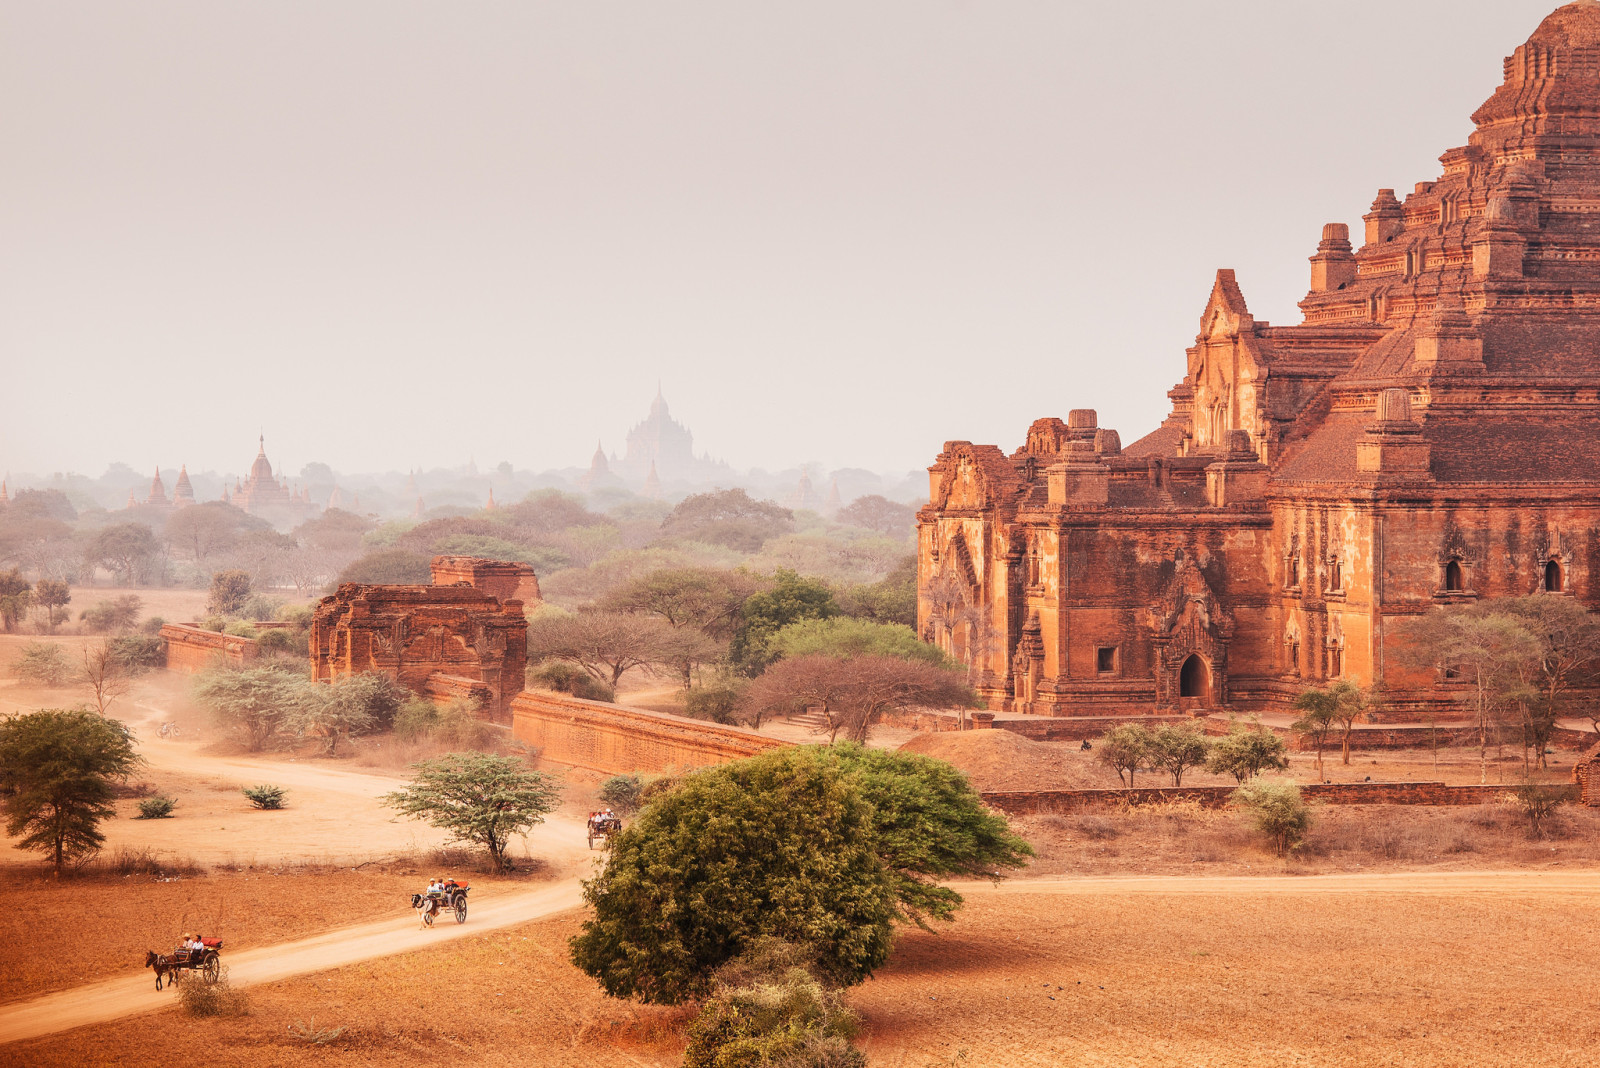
pixel 138 653
pixel 1245 752
pixel 230 591
pixel 719 704
pixel 1177 748
pixel 108 616
pixel 259 608
pixel 264 796
pixel 415 719
pixel 156 808
pixel 559 676
pixel 152 625
pixel 390 567
pixel 1278 811
pixel 44 664
pixel 1538 802
pixel 240 629
pixel 621 794
pixel 277 640
pixel 771 1008
pixel 457 725
pixel 200 998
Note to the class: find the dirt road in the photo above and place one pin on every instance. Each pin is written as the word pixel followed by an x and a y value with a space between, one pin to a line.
pixel 100 1002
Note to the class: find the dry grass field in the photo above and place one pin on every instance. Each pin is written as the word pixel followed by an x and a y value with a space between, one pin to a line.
pixel 1409 970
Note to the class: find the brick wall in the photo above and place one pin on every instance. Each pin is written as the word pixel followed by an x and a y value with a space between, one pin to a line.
pixel 442 689
pixel 617 739
pixel 1586 777
pixel 191 649
pixel 1029 803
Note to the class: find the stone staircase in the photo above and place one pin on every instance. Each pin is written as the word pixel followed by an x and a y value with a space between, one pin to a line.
pixel 811 720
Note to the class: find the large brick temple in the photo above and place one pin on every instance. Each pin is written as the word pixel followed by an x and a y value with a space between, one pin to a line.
pixel 1428 435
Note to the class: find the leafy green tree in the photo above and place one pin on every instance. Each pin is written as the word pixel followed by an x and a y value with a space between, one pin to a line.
pixel 727 517
pixel 230 592
pixel 705 598
pixel 1351 703
pixel 1245 752
pixel 119 614
pixel 390 567
pixel 1319 713
pixel 778 845
pixel 44 664
pixel 254 703
pixel 1278 811
pixel 791 599
pixel 1175 748
pixel 1125 749
pixel 52 594
pixel 621 793
pixel 124 549
pixel 843 637
pixel 558 676
pixel 893 600
pixel 15 596
pixel 928 824
pixel 480 799
pixel 876 512
pixel 348 707
pixel 57 768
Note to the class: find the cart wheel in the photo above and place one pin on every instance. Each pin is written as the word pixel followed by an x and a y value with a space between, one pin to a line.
pixel 212 969
pixel 461 910
pixel 427 917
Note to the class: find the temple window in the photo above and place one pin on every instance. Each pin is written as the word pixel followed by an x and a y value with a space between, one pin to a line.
pixel 1335 661
pixel 1293 572
pixel 1335 573
pixel 1553 579
pixel 1292 654
pixel 1105 660
pixel 1452 576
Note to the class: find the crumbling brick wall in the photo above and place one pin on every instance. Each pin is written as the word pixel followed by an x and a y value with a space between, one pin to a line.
pixel 192 649
pixel 617 740
pixel 1038 802
pixel 1586 777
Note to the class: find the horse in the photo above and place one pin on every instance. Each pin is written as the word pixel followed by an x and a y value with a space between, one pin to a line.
pixel 163 965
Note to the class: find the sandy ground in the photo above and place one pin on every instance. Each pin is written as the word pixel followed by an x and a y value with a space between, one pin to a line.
pixel 1463 969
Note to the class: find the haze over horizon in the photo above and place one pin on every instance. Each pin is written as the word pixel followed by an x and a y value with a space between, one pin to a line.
pixel 399 235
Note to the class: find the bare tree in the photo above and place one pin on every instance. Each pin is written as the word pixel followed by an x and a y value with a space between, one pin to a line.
pixel 607 644
pixel 854 693
pixel 106 674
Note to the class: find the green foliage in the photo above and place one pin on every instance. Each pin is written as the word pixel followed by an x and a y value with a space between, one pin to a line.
pixel 56 772
pixel 1538 802
pixel 152 626
pixel 842 637
pixel 928 823
pixel 717 703
pixel 769 1007
pixel 390 567
pixel 1319 713
pixel 1277 810
pixel 44 664
pixel 347 707
pixel 238 628
pixel 558 676
pixel 1125 750
pixel 15 597
pixel 415 719
pixel 156 808
pixel 230 591
pixel 893 600
pixel 480 799
pixel 125 549
pixel 621 793
pixel 51 594
pixel 259 608
pixel 705 598
pixel 264 795
pixel 297 615
pixel 1175 748
pixel 254 703
pixel 113 616
pixel 1245 752
pixel 727 517
pixel 764 614
pixel 138 653
pixel 776 845
pixel 457 724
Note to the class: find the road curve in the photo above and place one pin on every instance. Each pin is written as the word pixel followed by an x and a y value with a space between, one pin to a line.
pixel 115 998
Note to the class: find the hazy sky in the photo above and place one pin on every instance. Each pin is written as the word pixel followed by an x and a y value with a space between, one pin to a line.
pixel 396 233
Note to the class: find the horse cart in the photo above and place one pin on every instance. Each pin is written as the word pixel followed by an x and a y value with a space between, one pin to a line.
pixel 601 827
pixel 452 899
pixel 208 961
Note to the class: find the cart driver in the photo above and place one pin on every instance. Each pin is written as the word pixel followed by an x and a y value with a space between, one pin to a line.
pixel 195 945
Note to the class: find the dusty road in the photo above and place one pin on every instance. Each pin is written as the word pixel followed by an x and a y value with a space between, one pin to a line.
pixel 100 1002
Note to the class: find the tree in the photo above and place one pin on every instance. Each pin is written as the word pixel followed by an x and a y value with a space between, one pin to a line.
pixel 229 592
pixel 790 600
pixel 254 703
pixel 335 530
pixel 1176 748
pixel 51 594
pixel 15 596
pixel 347 707
pixel 928 824
pixel 1319 711
pixel 1245 752
pixel 1351 703
pixel 780 845
pixel 608 644
pixel 706 598
pixel 106 674
pixel 1124 749
pixel 794 685
pixel 853 693
pixel 113 616
pixel 727 517
pixel 391 567
pixel 57 767
pixel 204 530
pixel 480 799
pixel 124 549
pixel 1491 651
pixel 43 664
pixel 841 636
pixel 1569 638
pixel 1278 811
pixel 893 600
pixel 876 512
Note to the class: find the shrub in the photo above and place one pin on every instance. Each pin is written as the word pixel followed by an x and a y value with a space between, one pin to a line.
pixel 156 808
pixel 240 629
pixel 1177 748
pixel 259 608
pixel 1245 752
pixel 138 653
pixel 312 1035
pixel 200 998
pixel 457 725
pixel 1537 802
pixel 230 591
pixel 621 793
pixel 771 1008
pixel 1277 810
pixel 44 664
pixel 1125 750
pixel 415 719
pixel 277 640
pixel 560 676
pixel 264 796
pixel 719 704
pixel 152 625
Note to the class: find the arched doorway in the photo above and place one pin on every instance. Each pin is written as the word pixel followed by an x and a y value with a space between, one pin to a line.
pixel 1194 681
pixel 1552 577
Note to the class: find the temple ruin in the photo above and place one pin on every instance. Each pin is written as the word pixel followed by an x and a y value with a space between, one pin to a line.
pixel 1429 434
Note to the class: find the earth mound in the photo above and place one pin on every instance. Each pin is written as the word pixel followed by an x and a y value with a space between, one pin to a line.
pixel 1003 760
